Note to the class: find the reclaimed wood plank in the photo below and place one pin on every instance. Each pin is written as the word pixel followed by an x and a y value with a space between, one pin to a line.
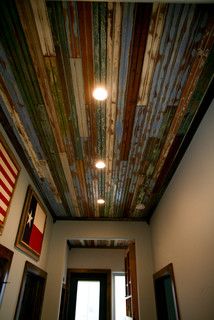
pixel 155 31
pixel 140 31
pixel 43 27
pixel 113 49
pixel 78 85
pixel 27 20
pixel 86 44
pixel 194 75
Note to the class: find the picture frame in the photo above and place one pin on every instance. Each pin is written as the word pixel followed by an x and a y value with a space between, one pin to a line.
pixel 6 256
pixel 32 226
pixel 9 173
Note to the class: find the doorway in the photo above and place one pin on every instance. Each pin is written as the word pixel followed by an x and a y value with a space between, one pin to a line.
pixel 31 293
pixel 165 294
pixel 88 294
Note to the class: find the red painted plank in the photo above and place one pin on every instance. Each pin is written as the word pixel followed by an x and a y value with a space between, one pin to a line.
pixel 140 32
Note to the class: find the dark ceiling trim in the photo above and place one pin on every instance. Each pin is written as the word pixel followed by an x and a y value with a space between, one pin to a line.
pixel 98 247
pixel 19 149
pixel 70 246
pixel 205 104
pixel 133 219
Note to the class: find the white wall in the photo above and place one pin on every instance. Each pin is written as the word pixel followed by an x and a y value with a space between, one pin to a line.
pixel 8 306
pixel 79 258
pixel 183 226
pixel 137 231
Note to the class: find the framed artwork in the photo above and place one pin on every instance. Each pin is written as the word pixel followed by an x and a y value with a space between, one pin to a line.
pixel 9 172
pixel 32 226
pixel 6 256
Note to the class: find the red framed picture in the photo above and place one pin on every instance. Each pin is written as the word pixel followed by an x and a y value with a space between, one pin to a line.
pixel 32 226
pixel 9 172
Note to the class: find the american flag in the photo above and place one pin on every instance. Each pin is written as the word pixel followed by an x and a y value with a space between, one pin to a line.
pixel 8 176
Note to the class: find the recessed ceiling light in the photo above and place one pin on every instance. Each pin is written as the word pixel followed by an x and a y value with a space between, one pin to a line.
pixel 100 201
pixel 100 93
pixel 140 206
pixel 100 164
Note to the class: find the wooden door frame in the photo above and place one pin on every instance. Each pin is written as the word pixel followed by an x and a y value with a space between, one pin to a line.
pixel 6 256
pixel 131 283
pixel 106 272
pixel 32 269
pixel 168 271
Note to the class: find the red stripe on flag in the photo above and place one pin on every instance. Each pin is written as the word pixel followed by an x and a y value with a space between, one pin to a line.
pixel 4 199
pixel 5 188
pixel 2 212
pixel 36 239
pixel 7 164
pixel 7 177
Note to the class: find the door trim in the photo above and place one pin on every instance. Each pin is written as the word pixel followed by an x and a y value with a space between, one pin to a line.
pixel 30 268
pixel 168 271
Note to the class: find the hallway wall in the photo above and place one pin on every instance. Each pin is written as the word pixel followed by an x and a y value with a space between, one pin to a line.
pixel 64 230
pixel 183 225
pixel 8 305
pixel 81 258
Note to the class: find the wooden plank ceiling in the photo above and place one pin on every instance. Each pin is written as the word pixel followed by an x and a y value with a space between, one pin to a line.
pixel 156 61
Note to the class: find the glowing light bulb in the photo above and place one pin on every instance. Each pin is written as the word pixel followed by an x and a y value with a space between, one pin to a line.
pixel 100 201
pixel 100 93
pixel 100 164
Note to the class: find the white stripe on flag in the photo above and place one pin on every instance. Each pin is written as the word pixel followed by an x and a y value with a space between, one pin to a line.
pixel 1 217
pixel 3 205
pixel 8 171
pixel 6 182
pixel 39 219
pixel 8 158
pixel 5 194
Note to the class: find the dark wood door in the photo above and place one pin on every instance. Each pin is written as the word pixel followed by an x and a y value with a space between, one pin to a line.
pixel 103 276
pixel 165 294
pixel 31 293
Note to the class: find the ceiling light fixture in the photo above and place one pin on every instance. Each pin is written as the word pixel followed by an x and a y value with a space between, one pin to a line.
pixel 100 93
pixel 100 201
pixel 100 164
pixel 140 206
